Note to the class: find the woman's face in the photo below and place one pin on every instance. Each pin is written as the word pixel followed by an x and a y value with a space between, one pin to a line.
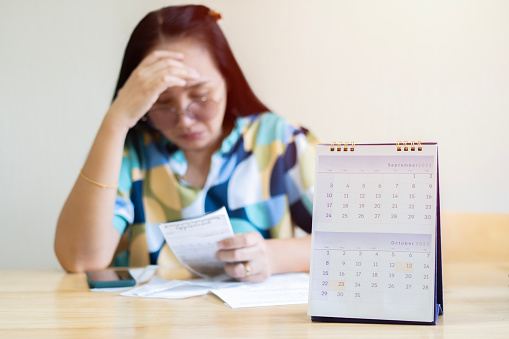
pixel 207 93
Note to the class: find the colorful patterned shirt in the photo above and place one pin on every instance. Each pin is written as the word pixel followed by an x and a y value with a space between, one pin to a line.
pixel 263 174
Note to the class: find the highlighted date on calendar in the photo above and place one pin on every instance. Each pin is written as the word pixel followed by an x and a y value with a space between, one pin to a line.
pixel 372 267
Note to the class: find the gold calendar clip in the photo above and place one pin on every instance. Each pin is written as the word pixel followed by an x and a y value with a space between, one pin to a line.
pixel 342 146
pixel 404 146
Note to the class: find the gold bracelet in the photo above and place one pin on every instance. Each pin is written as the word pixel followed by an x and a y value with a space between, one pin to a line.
pixel 95 182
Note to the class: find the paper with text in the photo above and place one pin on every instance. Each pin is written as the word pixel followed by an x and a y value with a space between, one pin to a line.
pixel 280 289
pixel 194 242
pixel 177 289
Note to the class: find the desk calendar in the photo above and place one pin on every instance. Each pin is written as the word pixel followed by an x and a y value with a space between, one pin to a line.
pixel 376 254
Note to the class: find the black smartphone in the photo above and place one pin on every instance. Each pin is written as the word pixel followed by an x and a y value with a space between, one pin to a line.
pixel 110 278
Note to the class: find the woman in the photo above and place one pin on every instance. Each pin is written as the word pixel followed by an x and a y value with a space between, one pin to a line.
pixel 186 135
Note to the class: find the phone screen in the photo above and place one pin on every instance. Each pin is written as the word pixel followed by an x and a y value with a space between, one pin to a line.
pixel 110 278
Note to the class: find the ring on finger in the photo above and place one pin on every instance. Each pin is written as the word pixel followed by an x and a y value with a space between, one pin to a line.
pixel 247 269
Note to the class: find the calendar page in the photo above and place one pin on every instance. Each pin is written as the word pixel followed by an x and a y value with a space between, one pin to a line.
pixel 374 233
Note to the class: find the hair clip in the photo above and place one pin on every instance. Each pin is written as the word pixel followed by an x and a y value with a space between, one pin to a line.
pixel 215 15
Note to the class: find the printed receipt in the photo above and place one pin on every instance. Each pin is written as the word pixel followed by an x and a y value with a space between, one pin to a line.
pixel 194 242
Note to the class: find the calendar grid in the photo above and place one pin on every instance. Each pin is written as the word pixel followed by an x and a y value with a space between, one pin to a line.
pixel 386 269
pixel 374 218
pixel 375 199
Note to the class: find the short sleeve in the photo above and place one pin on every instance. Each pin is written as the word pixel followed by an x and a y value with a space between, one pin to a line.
pixel 124 210
pixel 300 174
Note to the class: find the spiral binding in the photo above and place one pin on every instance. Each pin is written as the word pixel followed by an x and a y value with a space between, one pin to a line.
pixel 342 146
pixel 405 146
pixel 400 146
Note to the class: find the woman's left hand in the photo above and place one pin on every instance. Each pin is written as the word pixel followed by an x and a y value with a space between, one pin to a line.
pixel 246 257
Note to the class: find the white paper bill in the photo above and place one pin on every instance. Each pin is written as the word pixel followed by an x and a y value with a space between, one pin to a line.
pixel 280 289
pixel 194 242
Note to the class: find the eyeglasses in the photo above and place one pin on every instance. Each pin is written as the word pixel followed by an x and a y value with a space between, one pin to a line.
pixel 202 109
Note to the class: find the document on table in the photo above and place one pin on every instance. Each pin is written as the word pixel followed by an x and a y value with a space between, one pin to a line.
pixel 176 289
pixel 280 289
pixel 194 242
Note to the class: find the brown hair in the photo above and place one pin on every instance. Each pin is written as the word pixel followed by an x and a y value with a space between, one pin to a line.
pixel 198 22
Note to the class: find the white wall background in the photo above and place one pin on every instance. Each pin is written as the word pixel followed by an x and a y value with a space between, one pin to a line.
pixel 368 71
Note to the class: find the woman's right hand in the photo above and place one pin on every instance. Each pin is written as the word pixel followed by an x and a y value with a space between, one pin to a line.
pixel 85 238
pixel 158 71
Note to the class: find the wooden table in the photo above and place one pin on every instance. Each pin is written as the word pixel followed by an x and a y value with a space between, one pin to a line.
pixel 52 304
